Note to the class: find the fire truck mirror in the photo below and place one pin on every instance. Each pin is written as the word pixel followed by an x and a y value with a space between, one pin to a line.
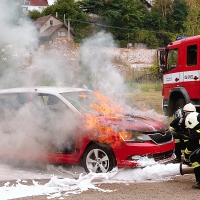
pixel 162 58
pixel 162 61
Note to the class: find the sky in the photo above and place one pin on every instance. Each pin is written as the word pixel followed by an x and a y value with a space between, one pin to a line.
pixel 78 181
pixel 51 2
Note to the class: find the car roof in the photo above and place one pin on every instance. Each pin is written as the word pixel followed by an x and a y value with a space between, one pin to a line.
pixel 42 89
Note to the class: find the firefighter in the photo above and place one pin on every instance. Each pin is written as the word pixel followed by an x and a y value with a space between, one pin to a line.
pixel 192 151
pixel 179 131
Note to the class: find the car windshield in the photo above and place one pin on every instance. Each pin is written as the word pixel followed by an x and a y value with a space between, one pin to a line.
pixel 81 100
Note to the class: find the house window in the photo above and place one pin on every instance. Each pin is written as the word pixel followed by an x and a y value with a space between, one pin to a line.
pixel 26 2
pixel 61 33
pixel 25 9
pixel 51 22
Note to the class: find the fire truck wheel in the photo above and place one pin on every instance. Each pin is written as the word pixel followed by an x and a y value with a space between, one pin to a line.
pixel 98 159
pixel 179 104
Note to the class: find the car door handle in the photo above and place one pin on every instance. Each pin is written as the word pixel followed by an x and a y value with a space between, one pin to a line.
pixel 176 79
pixel 195 77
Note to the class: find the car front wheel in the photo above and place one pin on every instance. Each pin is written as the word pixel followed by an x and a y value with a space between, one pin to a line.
pixel 98 159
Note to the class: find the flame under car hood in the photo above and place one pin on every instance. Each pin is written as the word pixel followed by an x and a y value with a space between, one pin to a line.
pixel 133 122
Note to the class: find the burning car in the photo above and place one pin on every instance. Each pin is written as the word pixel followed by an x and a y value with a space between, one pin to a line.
pixel 78 126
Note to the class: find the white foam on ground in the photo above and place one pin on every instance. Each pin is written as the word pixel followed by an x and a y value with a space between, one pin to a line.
pixel 62 183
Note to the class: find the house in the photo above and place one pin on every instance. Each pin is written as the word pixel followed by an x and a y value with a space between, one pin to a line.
pixel 51 28
pixel 29 5
pixel 147 3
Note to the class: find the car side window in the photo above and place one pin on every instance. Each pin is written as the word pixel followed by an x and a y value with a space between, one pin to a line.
pixel 9 102
pixel 53 103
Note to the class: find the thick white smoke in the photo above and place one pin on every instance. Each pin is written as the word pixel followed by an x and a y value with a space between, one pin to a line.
pixel 16 29
pixel 105 76
pixel 24 63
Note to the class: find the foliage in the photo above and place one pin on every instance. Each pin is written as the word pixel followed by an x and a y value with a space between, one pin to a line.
pixel 129 21
pixel 147 74
pixel 180 10
pixel 34 14
pixel 192 25
pixel 122 18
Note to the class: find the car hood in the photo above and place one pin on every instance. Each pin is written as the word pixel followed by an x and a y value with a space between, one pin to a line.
pixel 133 122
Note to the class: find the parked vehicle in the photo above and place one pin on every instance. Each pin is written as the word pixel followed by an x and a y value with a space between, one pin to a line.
pixel 180 65
pixel 63 125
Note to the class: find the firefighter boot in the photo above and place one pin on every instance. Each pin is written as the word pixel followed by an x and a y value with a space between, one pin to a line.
pixel 197 176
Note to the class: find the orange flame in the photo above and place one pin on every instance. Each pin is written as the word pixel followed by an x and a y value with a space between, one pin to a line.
pixel 102 133
pixel 106 105
pixel 83 95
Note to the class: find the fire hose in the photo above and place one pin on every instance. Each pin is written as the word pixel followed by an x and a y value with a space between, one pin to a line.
pixel 185 169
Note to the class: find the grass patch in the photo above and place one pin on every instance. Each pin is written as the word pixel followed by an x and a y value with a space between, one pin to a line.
pixel 146 100
pixel 147 97
pixel 148 87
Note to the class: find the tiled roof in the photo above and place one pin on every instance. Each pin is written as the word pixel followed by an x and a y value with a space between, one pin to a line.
pixel 51 30
pixel 41 21
pixel 39 2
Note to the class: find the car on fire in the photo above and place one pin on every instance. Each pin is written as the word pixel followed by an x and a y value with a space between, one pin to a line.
pixel 70 126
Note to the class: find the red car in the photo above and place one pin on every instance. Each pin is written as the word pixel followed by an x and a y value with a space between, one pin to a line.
pixel 78 126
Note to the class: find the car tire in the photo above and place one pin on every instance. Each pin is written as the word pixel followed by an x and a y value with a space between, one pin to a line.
pixel 98 158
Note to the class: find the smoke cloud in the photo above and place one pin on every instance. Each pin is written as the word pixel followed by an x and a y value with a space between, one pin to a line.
pixel 24 63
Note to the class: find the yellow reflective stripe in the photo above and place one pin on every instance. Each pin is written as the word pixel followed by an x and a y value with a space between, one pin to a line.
pixel 187 151
pixel 185 140
pixel 199 141
pixel 186 160
pixel 177 140
pixel 195 164
pixel 171 128
pixel 198 131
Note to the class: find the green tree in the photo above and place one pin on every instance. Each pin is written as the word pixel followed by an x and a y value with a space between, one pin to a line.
pixel 34 14
pixel 123 18
pixel 192 25
pixel 180 12
pixel 155 21
pixel 164 6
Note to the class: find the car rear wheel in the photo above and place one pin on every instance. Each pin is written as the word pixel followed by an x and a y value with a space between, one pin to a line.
pixel 98 159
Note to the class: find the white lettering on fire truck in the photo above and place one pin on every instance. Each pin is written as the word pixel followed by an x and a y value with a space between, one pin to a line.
pixel 179 77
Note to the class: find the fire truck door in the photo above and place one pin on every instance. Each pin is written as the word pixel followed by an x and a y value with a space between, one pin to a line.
pixel 191 75
pixel 171 78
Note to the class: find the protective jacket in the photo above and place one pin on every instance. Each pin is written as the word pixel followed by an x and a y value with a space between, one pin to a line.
pixel 192 152
pixel 192 144
pixel 178 126
pixel 180 135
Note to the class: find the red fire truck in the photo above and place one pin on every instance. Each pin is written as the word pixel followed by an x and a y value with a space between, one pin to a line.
pixel 180 65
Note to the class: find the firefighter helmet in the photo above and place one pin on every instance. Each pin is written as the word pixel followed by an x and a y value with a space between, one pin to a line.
pixel 189 108
pixel 192 120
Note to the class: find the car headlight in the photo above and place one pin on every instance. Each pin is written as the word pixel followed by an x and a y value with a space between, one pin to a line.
pixel 134 136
